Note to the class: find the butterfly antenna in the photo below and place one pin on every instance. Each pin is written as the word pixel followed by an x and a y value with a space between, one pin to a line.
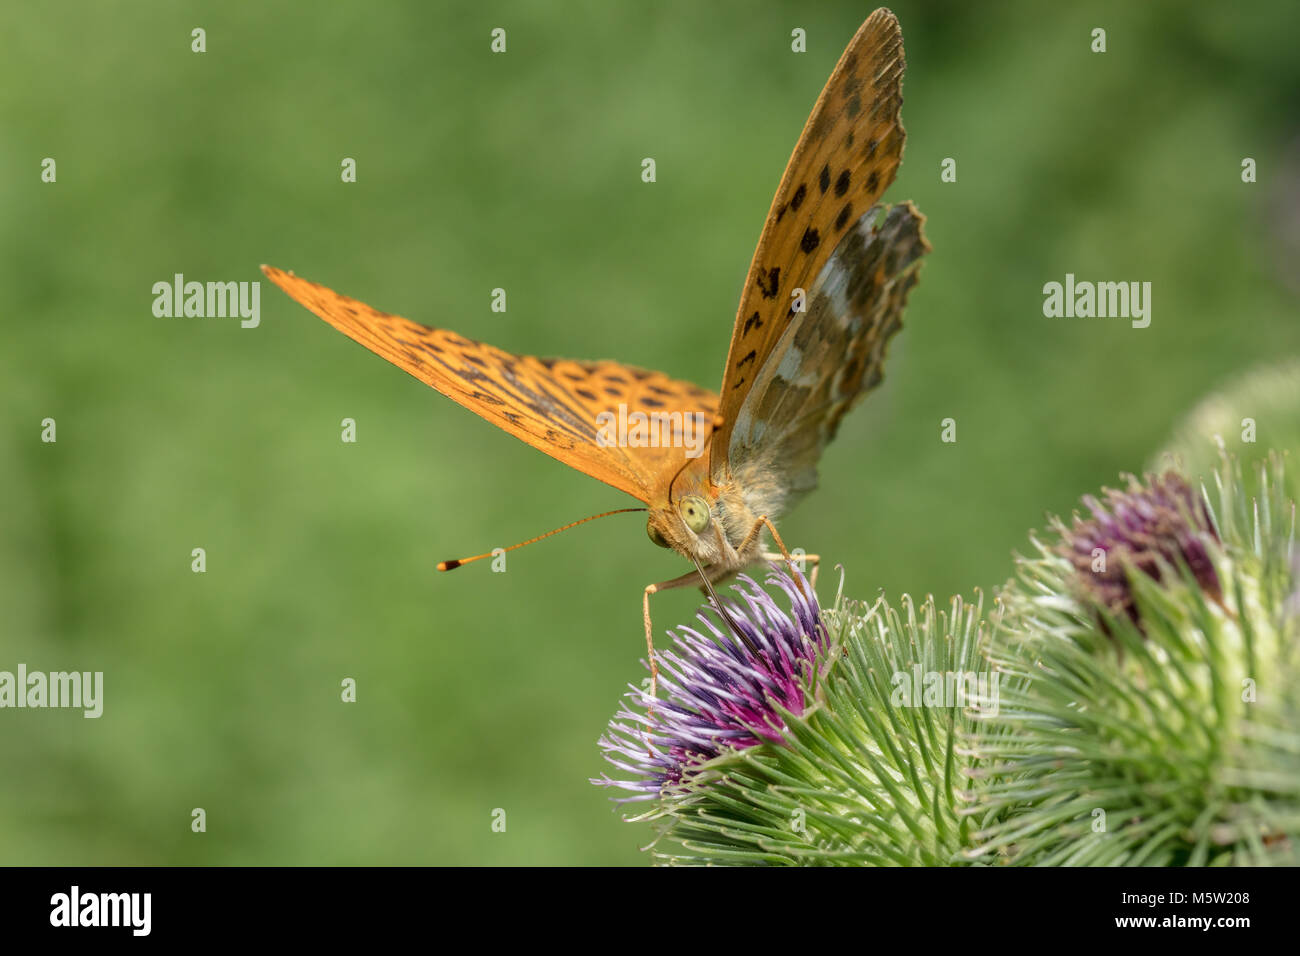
pixel 677 474
pixel 452 565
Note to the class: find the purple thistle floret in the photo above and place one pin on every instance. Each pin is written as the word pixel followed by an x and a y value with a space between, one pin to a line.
pixel 718 687
pixel 1161 520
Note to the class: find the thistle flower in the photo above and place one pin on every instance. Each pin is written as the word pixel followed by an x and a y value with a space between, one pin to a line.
pixel 727 687
pixel 1160 523
pixel 1182 749
pixel 787 741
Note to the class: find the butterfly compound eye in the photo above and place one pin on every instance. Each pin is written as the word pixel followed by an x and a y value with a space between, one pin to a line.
pixel 695 512
pixel 654 534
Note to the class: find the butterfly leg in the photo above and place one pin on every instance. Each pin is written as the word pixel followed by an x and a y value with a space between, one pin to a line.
pixel 688 578
pixel 764 522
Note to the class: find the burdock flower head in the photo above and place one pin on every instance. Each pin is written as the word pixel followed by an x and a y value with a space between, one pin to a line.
pixel 1161 522
pixel 1180 749
pixel 722 686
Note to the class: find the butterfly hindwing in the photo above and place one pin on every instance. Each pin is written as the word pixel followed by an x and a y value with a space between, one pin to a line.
pixel 847 155
pixel 555 405
pixel 830 355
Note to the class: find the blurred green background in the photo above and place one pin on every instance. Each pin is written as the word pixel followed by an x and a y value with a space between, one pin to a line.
pixel 478 690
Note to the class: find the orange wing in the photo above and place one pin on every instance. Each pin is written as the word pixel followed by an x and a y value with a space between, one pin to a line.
pixel 552 404
pixel 847 155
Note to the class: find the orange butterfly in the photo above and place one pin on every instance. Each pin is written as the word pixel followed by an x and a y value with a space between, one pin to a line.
pixel 824 295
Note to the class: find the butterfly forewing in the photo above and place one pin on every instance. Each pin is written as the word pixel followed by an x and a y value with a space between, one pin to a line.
pixel 555 405
pixel 847 155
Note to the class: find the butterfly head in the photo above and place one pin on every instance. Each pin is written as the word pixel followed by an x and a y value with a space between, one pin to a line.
pixel 687 525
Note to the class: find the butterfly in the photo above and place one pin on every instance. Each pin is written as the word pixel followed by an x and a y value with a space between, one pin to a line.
pixel 823 297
